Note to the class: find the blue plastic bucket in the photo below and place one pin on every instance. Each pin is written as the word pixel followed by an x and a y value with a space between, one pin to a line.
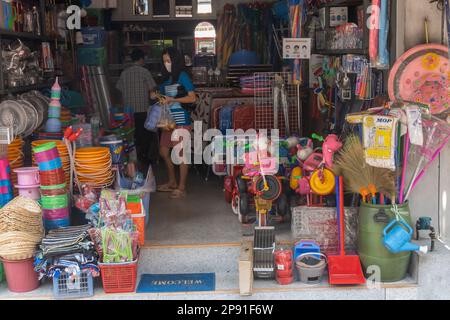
pixel 50 165
pixel 116 149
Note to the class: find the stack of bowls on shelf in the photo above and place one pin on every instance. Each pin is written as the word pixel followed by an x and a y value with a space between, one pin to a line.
pixel 6 189
pixel 28 183
pixel 55 198
pixel 93 166
pixel 16 159
pixel 63 154
pixel 66 118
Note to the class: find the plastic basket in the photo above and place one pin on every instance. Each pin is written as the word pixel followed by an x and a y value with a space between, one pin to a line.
pixel 64 288
pixel 119 277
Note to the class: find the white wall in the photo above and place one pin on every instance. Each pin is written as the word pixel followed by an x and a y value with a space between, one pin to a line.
pixel 432 196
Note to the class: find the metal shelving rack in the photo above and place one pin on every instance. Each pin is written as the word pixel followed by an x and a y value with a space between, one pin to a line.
pixel 8 34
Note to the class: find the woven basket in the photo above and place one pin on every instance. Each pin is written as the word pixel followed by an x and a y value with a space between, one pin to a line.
pixel 21 229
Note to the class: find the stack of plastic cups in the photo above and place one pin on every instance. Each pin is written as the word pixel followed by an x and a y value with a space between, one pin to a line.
pixel 53 124
pixel 6 189
pixel 55 198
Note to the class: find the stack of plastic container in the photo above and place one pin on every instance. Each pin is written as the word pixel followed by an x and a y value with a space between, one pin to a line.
pixel 6 189
pixel 54 195
pixel 28 183
pixel 53 124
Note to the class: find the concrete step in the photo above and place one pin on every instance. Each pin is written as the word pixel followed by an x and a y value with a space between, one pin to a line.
pixel 222 260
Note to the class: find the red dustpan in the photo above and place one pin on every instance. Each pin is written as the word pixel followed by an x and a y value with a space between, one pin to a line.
pixel 344 270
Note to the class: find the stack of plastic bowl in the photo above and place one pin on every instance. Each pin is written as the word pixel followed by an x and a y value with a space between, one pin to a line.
pixel 6 189
pixel 54 196
pixel 63 154
pixel 66 118
pixel 28 183
pixel 16 158
pixel 93 166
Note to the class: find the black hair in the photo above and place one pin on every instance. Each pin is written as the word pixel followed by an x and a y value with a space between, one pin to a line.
pixel 137 55
pixel 178 64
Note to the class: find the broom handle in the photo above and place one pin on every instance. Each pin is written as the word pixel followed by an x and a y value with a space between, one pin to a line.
pixel 405 165
pixel 342 214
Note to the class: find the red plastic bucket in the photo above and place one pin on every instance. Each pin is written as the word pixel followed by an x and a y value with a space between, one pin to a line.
pixel 20 275
pixel 52 177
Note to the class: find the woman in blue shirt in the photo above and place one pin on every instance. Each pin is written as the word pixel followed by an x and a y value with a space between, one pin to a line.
pixel 174 75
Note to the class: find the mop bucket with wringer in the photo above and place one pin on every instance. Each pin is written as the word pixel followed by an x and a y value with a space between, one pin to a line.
pixel 311 267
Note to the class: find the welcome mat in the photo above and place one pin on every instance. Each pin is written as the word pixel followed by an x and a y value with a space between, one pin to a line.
pixel 177 282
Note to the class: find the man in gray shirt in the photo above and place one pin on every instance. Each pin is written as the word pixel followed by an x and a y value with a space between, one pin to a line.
pixel 135 84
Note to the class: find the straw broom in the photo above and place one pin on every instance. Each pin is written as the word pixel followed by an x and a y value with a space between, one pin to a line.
pixel 351 164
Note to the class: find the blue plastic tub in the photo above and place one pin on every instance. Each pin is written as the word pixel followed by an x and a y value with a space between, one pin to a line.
pixel 244 57
pixel 306 247
pixel 93 37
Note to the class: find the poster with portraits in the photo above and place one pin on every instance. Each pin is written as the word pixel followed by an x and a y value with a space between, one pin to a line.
pixel 297 48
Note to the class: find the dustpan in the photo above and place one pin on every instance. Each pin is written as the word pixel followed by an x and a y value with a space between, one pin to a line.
pixel 344 270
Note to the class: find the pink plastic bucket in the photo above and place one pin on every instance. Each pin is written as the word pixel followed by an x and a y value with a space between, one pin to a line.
pixel 30 192
pixel 27 176
pixel 56 214
pixel 20 275
pixel 5 171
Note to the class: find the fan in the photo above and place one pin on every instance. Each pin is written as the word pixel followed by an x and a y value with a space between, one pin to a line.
pixel 33 117
pixel 37 106
pixel 12 114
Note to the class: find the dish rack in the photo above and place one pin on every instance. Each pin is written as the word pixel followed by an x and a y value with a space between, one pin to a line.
pixel 264 247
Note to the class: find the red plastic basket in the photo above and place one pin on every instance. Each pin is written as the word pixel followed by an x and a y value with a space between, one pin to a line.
pixel 119 277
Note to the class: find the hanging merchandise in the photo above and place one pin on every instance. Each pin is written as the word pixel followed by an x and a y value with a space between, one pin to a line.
pixel 436 134
pixel 421 76
pixel 374 31
pixel 227 35
pixel 297 15
pixel 379 136
pixel 383 54
pixel 447 19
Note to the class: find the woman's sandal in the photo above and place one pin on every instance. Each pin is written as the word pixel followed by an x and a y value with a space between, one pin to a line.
pixel 166 188
pixel 178 194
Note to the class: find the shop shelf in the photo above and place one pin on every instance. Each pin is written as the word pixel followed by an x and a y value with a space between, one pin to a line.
pixel 40 86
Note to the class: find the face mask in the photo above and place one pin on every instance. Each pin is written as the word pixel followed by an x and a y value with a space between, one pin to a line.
pixel 168 67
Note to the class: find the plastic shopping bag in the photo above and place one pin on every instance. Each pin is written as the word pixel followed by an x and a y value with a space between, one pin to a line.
pixel 166 120
pixel 153 118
